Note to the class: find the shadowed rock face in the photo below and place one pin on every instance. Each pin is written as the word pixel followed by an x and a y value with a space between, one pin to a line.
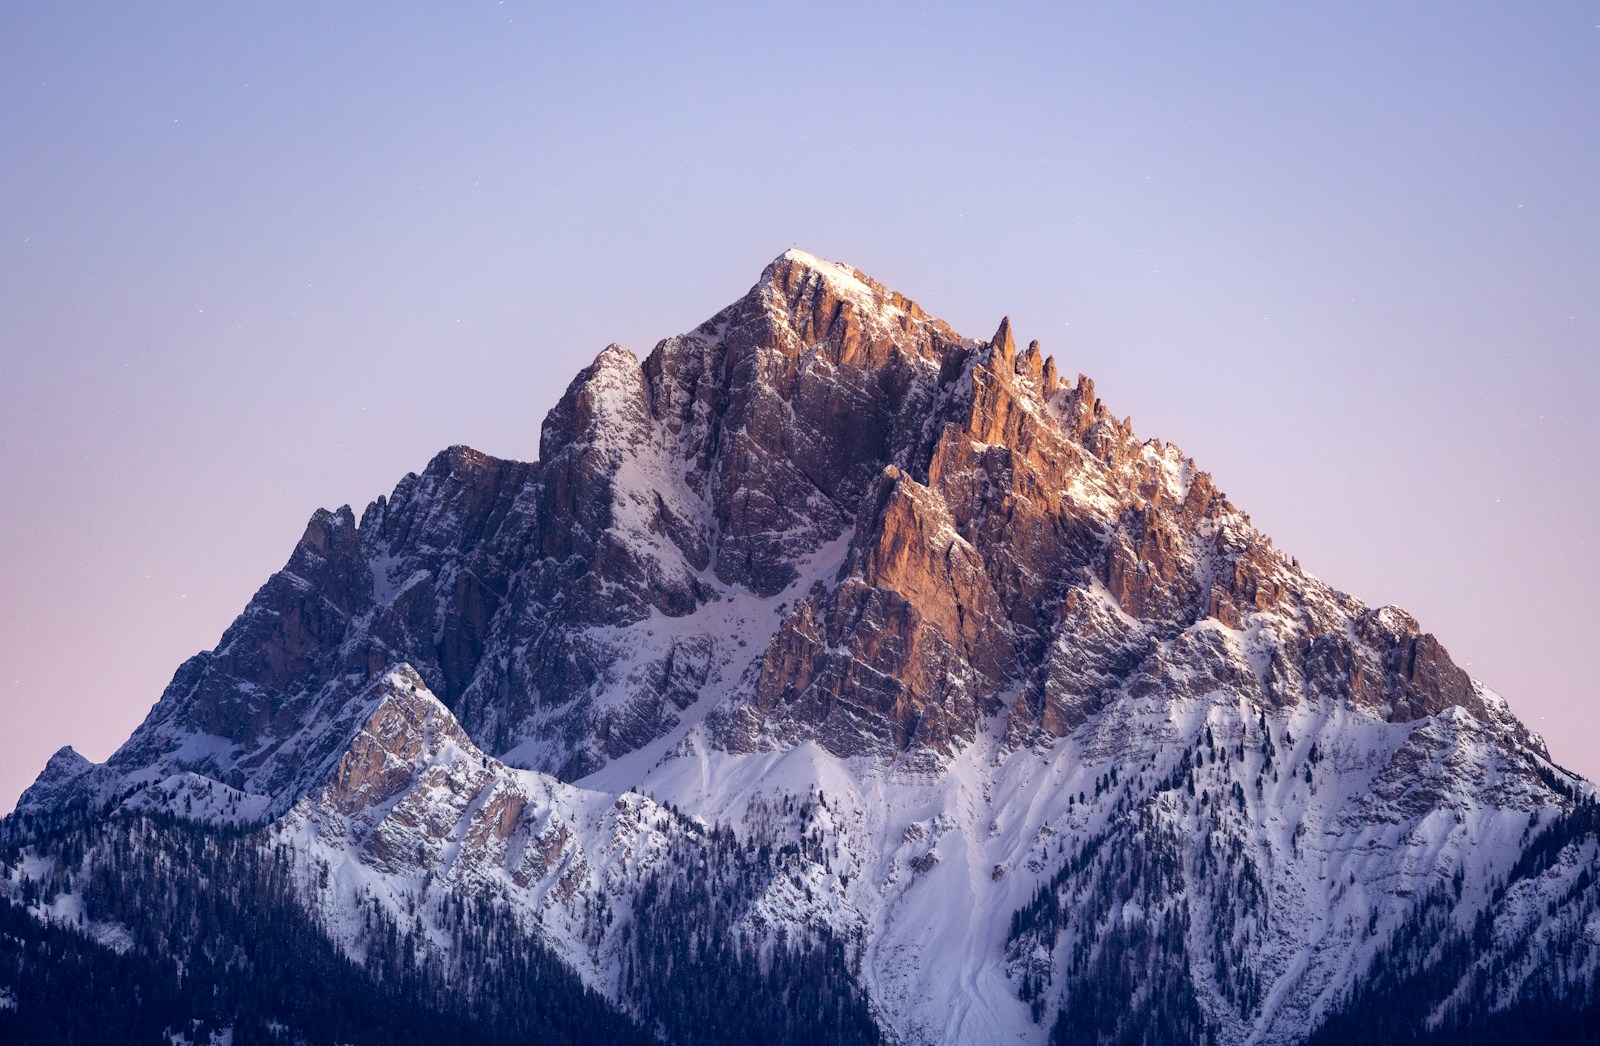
pixel 1002 543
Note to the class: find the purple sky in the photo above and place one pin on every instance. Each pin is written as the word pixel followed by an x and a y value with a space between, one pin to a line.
pixel 254 261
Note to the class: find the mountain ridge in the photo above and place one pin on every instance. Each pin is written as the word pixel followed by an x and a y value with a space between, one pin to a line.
pixel 869 609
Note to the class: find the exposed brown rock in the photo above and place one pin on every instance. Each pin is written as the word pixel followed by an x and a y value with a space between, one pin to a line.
pixel 1148 566
pixel 1009 536
pixel 382 760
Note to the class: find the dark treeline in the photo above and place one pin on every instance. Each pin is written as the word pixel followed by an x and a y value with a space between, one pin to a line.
pixel 218 940
pixel 213 935
pixel 702 981
pixel 164 927
pixel 1133 978
pixel 1414 995
pixel 1171 911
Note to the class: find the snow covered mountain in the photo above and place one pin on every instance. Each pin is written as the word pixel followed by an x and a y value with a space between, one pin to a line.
pixel 876 678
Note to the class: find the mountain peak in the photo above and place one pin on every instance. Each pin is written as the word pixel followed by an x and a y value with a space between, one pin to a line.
pixel 845 277
pixel 796 277
pixel 1004 344
pixel 408 728
pixel 1049 677
pixel 457 458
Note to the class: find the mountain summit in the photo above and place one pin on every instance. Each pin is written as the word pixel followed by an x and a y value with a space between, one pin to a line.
pixel 882 672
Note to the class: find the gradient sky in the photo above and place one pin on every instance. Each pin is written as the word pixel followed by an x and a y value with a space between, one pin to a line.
pixel 260 258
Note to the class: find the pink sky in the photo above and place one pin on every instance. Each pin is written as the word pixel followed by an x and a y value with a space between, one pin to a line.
pixel 254 262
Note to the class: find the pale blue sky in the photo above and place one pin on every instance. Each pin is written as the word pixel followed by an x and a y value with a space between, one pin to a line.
pixel 253 261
